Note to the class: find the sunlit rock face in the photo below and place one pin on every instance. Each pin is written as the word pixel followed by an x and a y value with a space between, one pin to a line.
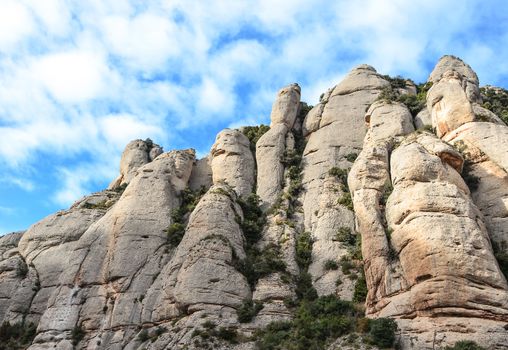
pixel 181 253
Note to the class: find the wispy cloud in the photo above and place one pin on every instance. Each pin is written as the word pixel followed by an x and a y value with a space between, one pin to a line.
pixel 21 183
pixel 78 80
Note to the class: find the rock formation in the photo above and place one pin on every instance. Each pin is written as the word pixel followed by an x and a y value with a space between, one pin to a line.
pixel 136 154
pixel 280 243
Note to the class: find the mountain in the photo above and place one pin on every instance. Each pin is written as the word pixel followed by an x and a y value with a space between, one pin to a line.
pixel 377 218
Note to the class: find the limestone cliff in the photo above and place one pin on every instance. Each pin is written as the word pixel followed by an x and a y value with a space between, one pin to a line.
pixel 377 218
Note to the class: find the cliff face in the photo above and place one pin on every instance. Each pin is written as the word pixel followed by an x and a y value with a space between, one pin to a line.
pixel 384 201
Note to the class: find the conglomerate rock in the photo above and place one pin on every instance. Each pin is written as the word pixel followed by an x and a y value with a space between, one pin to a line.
pixel 271 147
pixel 232 161
pixel 165 258
pixel 136 154
pixel 334 129
pixel 482 140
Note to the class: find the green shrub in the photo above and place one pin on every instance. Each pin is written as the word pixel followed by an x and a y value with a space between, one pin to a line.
pixel 269 260
pixel 271 337
pixel 120 189
pixel 210 331
pixel 340 174
pixel 415 103
pixel 254 133
pixel 388 95
pixel 360 292
pixel 395 82
pixel 16 336
pixel 291 158
pixel 143 335
pixel 346 201
pixel 295 186
pixel 345 236
pixel 159 331
pixel 351 157
pixel 465 345
pixel 316 323
pixel 304 289
pixel 304 250
pixel 294 172
pixel 208 324
pixel 175 233
pixel 330 265
pixel 467 171
pixel 346 265
pixel 253 218
pixel 260 263
pixel 496 101
pixel 412 102
pixel 228 334
pixel 382 332
pixel 104 205
pixel 77 334
pixel 248 310
pixel 303 111
pixel 355 252
pixel 189 199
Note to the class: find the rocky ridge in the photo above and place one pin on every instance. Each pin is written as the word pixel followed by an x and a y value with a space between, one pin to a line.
pixel 377 218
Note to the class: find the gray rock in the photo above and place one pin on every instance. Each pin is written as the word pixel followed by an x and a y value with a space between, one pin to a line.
pixel 136 154
pixel 201 175
pixel 232 161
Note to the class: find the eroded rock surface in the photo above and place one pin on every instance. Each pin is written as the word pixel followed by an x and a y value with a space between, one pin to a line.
pixel 232 161
pixel 482 140
pixel 175 255
pixel 136 154
pixel 271 147
pixel 114 262
pixel 335 129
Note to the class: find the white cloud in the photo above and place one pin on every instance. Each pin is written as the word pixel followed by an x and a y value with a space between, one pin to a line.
pixel 118 130
pixel 72 76
pixel 145 41
pixel 23 184
pixel 54 15
pixel 78 80
pixel 214 98
pixel 16 23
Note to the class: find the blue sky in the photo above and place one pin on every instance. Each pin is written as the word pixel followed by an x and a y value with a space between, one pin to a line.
pixel 80 79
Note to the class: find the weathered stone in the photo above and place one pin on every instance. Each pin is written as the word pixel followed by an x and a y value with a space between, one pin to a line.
pixel 136 154
pixel 448 104
pixel 470 82
pixel 108 266
pixel 400 121
pixel 16 280
pixel 484 115
pixel 116 260
pixel 202 270
pixel 201 175
pixel 440 241
pixel 232 161
pixel 341 132
pixel 423 119
pixel 285 107
pixel 270 150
